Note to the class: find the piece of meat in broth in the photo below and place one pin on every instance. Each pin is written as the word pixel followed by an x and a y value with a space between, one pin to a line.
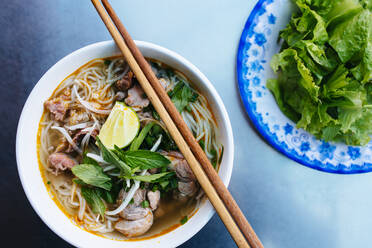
pixel 78 137
pixel 133 228
pixel 119 96
pixel 187 188
pixel 57 107
pixel 183 170
pixel 125 82
pixel 180 166
pixel 61 161
pixel 136 98
pixel 154 199
pixel 133 212
pixel 187 185
pixel 138 198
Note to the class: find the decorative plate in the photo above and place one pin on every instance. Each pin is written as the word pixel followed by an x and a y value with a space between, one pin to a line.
pixel 258 43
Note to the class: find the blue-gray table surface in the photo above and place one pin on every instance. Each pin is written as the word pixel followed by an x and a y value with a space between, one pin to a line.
pixel 288 205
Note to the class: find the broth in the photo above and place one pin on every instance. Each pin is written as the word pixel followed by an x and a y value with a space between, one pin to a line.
pixel 67 194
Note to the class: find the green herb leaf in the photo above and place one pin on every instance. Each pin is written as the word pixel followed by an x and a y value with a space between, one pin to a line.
pixel 79 182
pixel 145 204
pixel 202 144
pixel 112 158
pixel 142 135
pixel 94 200
pixel 221 155
pixel 145 159
pixel 151 178
pixel 92 175
pixel 182 95
pixel 105 195
pixel 119 152
pixel 155 188
pixel 164 184
pixel 184 220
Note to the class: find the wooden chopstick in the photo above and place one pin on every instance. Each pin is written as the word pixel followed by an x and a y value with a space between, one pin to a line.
pixel 183 146
pixel 225 195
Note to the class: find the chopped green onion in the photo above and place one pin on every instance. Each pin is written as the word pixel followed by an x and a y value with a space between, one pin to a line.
pixel 145 204
pixel 184 220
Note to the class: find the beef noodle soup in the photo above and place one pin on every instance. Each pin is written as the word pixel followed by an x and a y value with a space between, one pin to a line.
pixel 108 160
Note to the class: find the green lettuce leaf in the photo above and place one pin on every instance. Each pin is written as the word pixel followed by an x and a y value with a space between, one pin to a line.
pixel 324 69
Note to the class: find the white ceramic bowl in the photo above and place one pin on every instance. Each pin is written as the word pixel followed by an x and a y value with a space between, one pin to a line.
pixel 28 168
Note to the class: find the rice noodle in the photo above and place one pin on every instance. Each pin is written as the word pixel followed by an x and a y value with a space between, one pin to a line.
pixel 78 126
pixel 97 158
pixel 157 144
pixel 88 106
pixel 127 181
pixel 85 140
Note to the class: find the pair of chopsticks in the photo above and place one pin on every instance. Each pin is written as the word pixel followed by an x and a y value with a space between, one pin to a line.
pixel 219 196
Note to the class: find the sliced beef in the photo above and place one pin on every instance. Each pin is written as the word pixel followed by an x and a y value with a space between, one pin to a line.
pixel 144 115
pixel 119 96
pixel 61 161
pixel 183 170
pixel 187 188
pixel 154 199
pixel 187 185
pixel 78 137
pixel 180 166
pixel 174 154
pixel 133 212
pixel 57 107
pixel 133 228
pixel 125 82
pixel 136 98
pixel 138 197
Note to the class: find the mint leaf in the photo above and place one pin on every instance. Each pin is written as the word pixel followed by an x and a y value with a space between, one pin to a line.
pixel 112 158
pixel 145 159
pixel 94 200
pixel 182 95
pixel 92 175
pixel 152 178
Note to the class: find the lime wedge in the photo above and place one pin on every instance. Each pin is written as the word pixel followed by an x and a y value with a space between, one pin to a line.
pixel 120 128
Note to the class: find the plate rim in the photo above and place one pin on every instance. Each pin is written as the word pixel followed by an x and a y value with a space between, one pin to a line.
pixel 317 164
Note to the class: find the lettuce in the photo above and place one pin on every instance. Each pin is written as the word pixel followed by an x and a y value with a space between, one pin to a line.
pixel 324 69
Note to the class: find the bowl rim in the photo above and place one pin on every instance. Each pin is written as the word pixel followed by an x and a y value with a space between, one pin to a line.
pixel 22 127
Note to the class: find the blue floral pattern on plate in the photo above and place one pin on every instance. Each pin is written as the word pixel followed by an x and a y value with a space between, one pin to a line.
pixel 258 43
